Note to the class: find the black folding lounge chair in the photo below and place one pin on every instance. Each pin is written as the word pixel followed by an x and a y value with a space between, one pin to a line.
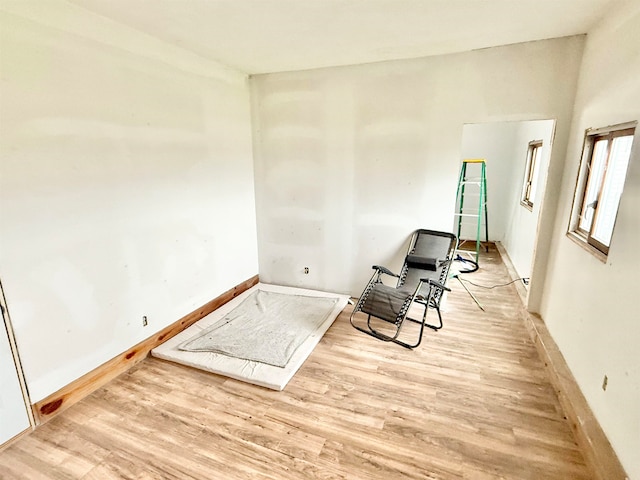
pixel 422 281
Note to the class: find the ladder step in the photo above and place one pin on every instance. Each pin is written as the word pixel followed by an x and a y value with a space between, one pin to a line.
pixel 463 209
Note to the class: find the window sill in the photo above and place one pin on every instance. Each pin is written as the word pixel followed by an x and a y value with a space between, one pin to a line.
pixel 527 206
pixel 580 241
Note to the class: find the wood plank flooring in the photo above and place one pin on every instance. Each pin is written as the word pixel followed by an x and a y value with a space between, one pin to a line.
pixel 472 402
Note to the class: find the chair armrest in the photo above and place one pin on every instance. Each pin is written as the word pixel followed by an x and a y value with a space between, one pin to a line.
pixel 384 270
pixel 435 284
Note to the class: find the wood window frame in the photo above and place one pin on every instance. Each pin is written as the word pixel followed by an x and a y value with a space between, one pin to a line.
pixel 533 151
pixel 578 234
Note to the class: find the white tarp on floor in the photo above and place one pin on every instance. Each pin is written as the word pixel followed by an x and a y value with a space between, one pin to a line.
pixel 260 340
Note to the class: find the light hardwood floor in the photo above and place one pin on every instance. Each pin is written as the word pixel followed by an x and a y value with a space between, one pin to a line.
pixel 472 402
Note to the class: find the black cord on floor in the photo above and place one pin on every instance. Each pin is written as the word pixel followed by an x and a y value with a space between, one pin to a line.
pixel 523 280
pixel 474 265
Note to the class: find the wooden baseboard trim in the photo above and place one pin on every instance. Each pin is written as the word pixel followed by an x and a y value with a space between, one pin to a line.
pixel 513 274
pixel 55 403
pixel 598 452
pixel 594 444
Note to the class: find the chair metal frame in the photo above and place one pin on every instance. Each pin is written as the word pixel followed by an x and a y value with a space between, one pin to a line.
pixel 426 291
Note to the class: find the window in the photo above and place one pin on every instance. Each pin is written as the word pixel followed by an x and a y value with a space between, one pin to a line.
pixel 603 168
pixel 529 185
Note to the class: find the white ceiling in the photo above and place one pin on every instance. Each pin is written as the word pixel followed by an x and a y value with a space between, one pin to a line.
pixel 260 36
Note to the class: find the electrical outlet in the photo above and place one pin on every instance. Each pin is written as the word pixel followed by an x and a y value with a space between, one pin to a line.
pixel 605 382
pixel 306 270
pixel 144 321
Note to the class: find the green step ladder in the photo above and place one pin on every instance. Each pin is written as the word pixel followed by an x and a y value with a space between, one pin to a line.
pixel 467 207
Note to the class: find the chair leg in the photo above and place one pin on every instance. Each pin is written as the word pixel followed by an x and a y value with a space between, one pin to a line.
pixel 409 346
pixel 371 331
pixel 386 338
pixel 428 325
pixel 423 323
pixel 382 336
pixel 439 326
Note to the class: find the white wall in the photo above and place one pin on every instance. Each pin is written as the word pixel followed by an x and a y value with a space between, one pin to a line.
pixel 495 142
pixel 591 307
pixel 126 187
pixel 349 161
pixel 522 224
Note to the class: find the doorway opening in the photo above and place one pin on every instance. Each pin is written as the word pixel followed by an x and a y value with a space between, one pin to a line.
pixel 517 156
